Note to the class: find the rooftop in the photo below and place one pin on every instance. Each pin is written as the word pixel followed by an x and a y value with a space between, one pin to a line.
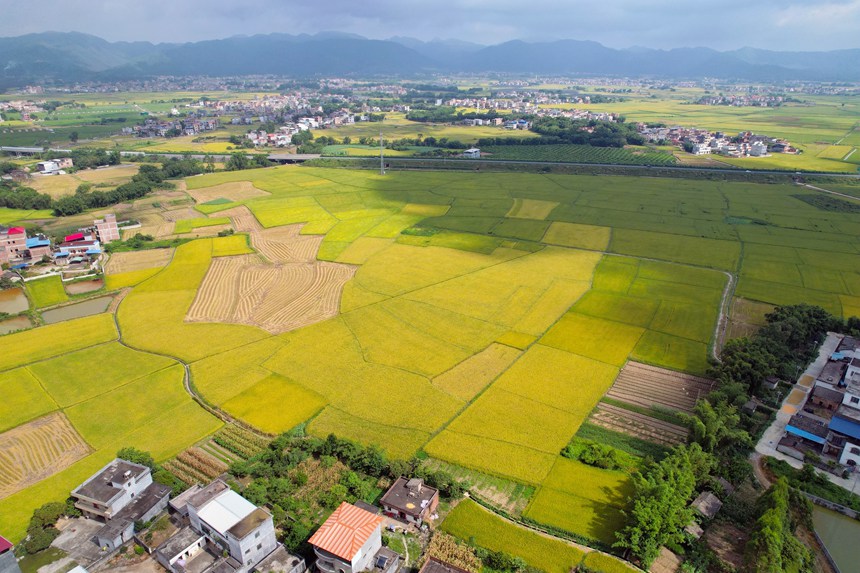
pixel 848 343
pixel 825 393
pixel 809 423
pixel 707 504
pixel 832 372
pixel 5 544
pixel 100 487
pixel 345 531
pixel 226 510
pixel 180 501
pixel 204 495
pixel 433 565
pixel 411 496
pixel 249 523
pixel 179 542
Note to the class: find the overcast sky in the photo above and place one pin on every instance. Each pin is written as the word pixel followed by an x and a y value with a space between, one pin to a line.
pixel 720 24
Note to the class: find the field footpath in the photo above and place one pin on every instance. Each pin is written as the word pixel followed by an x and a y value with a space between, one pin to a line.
pixel 186 379
pixel 836 193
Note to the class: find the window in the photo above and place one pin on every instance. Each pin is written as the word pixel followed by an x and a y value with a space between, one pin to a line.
pixel 247 551
pixel 256 535
pixel 260 546
pixel 854 451
pixel 855 399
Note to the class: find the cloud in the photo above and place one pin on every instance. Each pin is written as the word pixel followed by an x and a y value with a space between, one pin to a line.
pixel 775 24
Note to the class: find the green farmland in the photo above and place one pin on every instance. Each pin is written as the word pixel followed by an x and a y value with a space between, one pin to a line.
pixel 476 304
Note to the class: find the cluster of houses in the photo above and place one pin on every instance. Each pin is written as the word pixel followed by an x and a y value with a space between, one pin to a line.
pixel 189 125
pixel 746 100
pixel 704 142
pixel 20 251
pixel 214 529
pixel 828 423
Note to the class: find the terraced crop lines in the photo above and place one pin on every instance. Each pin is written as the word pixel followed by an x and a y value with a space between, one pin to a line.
pixel 637 425
pixel 36 450
pixel 647 386
pixel 276 298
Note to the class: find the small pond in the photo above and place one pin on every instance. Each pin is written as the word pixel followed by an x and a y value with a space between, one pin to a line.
pixel 13 324
pixel 13 301
pixel 84 286
pixel 77 310
pixel 840 534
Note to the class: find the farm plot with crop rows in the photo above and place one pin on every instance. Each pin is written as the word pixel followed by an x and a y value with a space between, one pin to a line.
pixel 637 425
pixel 648 386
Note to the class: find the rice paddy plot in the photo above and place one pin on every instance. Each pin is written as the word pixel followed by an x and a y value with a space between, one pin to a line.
pixel 469 521
pixel 596 338
pixel 672 351
pixel 23 398
pixel 398 442
pixel 84 374
pixel 46 291
pixel 576 235
pixel 56 339
pixel 274 404
pixel 676 248
pixel 582 499
pixel 637 425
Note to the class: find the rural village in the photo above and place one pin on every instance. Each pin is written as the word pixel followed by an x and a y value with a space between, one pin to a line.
pixel 426 306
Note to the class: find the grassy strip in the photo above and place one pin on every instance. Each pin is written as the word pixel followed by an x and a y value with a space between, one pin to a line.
pixel 653 412
pixel 623 442
pixel 814 483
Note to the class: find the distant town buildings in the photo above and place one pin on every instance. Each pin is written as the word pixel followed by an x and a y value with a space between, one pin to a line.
pixel 704 142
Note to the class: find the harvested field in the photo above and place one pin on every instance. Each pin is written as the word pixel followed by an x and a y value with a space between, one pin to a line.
pixel 138 261
pixel 237 191
pixel 36 450
pixel 196 465
pixel 277 298
pixel 283 244
pixel 645 385
pixel 179 214
pixel 637 425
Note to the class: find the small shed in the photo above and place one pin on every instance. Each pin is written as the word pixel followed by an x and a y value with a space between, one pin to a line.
pixel 707 504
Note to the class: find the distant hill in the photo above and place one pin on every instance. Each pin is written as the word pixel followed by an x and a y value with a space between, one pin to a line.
pixel 74 56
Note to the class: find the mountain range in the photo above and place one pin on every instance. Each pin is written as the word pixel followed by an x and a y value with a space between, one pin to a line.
pixel 72 56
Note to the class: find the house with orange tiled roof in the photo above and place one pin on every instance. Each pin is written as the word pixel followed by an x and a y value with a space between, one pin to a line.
pixel 350 541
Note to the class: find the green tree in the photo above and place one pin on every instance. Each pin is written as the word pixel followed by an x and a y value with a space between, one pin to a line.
pixel 716 426
pixel 73 137
pixel 238 161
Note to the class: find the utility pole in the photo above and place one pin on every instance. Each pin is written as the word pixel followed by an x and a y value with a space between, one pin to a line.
pixel 381 155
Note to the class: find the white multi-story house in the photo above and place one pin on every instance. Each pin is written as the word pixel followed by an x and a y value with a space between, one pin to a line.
pixel 233 523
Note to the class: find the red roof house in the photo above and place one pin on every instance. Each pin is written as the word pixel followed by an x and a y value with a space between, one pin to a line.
pixel 5 544
pixel 74 237
pixel 348 540
pixel 16 231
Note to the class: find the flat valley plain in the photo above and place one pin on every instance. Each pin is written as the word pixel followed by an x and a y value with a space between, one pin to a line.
pixel 487 316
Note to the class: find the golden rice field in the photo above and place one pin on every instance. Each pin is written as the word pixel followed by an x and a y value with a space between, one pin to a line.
pixel 431 311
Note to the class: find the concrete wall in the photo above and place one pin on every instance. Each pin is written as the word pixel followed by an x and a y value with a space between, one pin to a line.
pixel 256 545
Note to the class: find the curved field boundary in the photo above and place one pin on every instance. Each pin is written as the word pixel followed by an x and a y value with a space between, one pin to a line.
pixel 36 450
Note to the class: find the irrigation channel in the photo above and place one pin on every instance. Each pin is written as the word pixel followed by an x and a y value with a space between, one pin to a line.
pixel 840 535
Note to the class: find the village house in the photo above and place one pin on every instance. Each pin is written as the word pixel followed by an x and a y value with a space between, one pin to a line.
pixel 226 533
pixel 8 562
pixel 350 541
pixel 410 500
pixel 13 244
pixel 121 493
pixel 472 153
pixel 829 422
pixel 107 229
pixel 54 166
